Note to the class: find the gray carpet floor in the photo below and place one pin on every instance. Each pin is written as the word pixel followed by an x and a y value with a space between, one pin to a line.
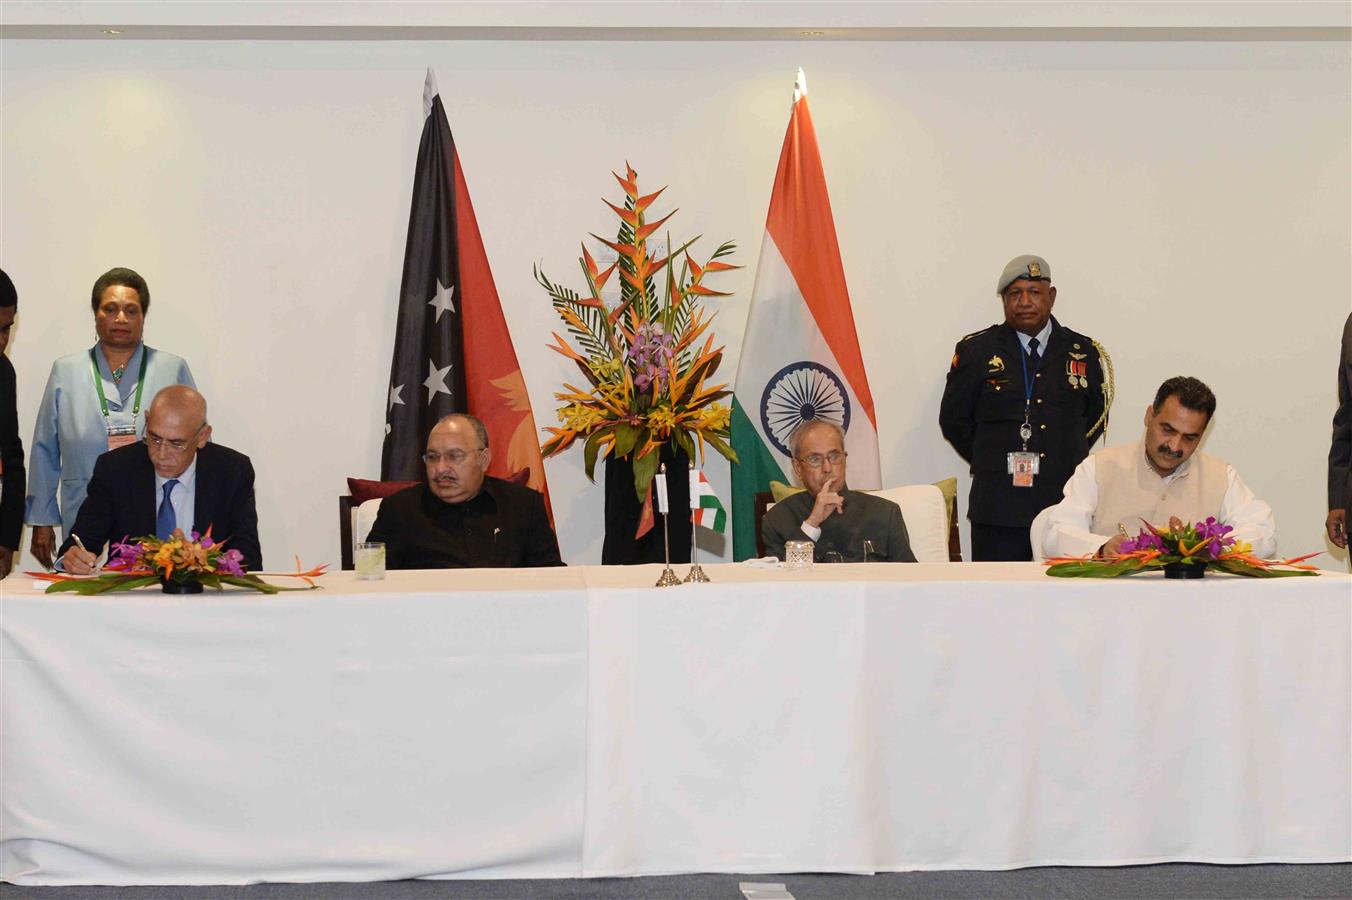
pixel 1177 880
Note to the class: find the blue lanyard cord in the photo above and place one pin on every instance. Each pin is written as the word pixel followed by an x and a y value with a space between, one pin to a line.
pixel 1026 429
pixel 1027 382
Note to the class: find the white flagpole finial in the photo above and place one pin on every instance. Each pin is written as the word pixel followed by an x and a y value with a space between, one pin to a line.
pixel 430 92
pixel 799 87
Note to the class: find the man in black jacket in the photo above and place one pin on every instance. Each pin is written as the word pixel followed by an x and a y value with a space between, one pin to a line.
pixel 13 486
pixel 461 517
pixel 173 479
pixel 1024 401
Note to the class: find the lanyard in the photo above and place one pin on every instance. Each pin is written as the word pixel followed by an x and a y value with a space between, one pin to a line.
pixel 1027 381
pixel 140 384
pixel 1026 429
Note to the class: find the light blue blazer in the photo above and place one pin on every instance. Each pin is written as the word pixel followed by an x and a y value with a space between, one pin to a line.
pixel 71 433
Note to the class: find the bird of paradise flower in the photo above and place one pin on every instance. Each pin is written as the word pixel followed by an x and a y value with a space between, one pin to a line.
pixel 645 369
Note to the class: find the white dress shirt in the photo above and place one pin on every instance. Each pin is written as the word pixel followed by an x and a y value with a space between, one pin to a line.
pixel 1042 337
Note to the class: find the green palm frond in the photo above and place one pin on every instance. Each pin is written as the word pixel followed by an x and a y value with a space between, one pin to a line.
pixel 593 340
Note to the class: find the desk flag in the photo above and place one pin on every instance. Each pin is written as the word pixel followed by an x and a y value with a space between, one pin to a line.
pixel 800 356
pixel 447 292
pixel 707 509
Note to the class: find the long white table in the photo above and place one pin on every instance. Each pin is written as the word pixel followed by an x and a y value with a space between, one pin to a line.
pixel 580 722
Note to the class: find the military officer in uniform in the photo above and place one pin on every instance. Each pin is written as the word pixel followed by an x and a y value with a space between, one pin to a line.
pixel 1024 401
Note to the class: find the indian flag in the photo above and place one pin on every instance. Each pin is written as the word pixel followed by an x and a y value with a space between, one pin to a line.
pixel 706 509
pixel 800 357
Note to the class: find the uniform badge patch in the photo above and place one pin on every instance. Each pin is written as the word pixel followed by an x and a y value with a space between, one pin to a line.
pixel 996 363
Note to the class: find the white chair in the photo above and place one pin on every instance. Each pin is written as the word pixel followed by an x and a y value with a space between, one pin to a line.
pixel 363 519
pixel 1035 532
pixel 926 517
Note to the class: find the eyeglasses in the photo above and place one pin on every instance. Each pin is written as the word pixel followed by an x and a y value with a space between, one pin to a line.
pixel 815 460
pixel 155 442
pixel 431 457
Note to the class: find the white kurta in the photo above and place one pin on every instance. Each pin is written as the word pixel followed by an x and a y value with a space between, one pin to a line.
pixel 1067 529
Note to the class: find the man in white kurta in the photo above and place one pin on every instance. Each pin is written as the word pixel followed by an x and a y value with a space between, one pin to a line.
pixel 1156 478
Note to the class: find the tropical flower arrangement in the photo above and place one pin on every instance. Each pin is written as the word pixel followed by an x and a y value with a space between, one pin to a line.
pixel 1209 544
pixel 645 372
pixel 180 559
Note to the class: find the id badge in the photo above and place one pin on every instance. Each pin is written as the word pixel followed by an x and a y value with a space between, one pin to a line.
pixel 121 436
pixel 1022 467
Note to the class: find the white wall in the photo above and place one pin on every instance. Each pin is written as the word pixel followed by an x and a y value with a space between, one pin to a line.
pixel 1194 200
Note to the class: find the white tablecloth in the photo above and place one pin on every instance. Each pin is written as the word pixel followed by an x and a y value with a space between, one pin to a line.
pixel 582 722
pixel 336 735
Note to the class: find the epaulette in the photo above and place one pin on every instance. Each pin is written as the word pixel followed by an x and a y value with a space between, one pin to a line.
pixel 968 337
pixel 1109 386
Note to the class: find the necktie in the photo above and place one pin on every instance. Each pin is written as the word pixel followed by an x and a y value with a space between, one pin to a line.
pixel 1033 356
pixel 165 521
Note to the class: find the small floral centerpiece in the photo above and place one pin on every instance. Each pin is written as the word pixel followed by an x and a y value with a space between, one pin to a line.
pixel 184 564
pixel 1183 551
pixel 645 372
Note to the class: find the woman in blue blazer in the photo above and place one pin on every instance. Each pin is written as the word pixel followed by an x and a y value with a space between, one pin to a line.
pixel 95 401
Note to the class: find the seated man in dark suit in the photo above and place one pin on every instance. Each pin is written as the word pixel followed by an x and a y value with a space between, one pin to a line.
pixel 463 518
pixel 172 479
pixel 835 518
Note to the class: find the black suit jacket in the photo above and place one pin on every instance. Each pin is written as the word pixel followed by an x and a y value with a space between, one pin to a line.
pixel 122 501
pixel 982 409
pixel 11 451
pixel 504 526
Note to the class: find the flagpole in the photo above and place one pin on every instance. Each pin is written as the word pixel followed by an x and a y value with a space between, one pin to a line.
pixel 696 575
pixel 668 577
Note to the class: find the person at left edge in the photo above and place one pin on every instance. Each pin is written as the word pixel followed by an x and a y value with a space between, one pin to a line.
pixel 173 478
pixel 93 403
pixel 11 447
pixel 461 517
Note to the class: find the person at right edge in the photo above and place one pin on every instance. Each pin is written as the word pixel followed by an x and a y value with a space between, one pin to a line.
pixel 1024 401
pixel 1340 450
pixel 12 477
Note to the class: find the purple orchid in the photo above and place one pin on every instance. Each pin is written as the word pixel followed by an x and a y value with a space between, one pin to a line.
pixel 1217 534
pixel 231 562
pixel 123 555
pixel 650 354
pixel 1146 540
